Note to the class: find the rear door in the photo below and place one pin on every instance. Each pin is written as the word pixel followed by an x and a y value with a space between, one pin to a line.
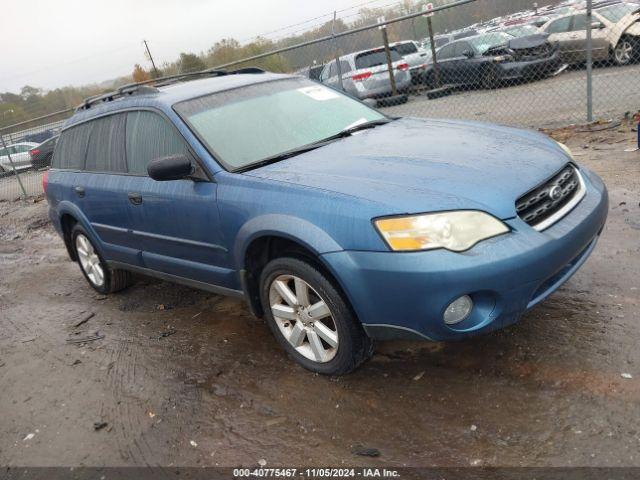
pixel 559 31
pixel 446 63
pixel 175 222
pixel 101 189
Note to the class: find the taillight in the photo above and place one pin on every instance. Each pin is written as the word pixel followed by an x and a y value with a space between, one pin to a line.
pixel 361 76
pixel 34 152
pixel 403 67
pixel 45 179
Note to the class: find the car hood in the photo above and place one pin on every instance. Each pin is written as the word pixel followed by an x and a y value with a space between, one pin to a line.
pixel 416 165
pixel 528 41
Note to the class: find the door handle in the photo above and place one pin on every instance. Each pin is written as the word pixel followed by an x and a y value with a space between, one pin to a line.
pixel 135 198
pixel 79 191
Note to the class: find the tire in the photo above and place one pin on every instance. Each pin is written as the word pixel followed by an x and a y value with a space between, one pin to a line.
pixel 335 344
pixel 624 52
pixel 95 270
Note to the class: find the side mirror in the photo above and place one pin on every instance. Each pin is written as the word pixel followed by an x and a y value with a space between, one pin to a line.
pixel 597 25
pixel 469 53
pixel 173 167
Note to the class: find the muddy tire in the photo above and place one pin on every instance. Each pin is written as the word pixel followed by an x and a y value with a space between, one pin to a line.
pixel 95 270
pixel 310 318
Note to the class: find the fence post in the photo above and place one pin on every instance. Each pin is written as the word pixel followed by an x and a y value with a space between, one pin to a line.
pixel 387 51
pixel 589 61
pixel 335 45
pixel 15 172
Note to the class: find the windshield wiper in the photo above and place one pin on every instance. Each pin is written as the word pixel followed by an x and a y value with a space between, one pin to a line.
pixel 347 132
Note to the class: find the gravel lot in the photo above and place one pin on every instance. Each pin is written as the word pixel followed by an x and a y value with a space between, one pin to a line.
pixel 555 101
pixel 188 378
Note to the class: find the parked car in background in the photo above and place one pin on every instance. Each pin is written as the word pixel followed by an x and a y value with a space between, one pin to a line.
pixel 41 155
pixel 615 33
pixel 491 58
pixel 415 56
pixel 438 40
pixel 365 74
pixel 20 157
pixel 521 30
pixel 335 223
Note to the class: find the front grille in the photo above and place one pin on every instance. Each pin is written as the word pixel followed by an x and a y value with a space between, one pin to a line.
pixel 539 207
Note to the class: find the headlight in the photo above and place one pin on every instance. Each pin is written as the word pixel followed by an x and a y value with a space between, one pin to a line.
pixel 456 231
pixel 566 149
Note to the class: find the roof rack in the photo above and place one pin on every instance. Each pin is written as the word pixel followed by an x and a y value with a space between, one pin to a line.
pixel 145 88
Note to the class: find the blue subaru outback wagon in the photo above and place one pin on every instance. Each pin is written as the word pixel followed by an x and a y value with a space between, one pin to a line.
pixel 337 224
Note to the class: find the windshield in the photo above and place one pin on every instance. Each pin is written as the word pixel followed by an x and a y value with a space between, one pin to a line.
pixel 406 48
pixel 490 40
pixel 615 13
pixel 246 125
pixel 375 58
pixel 522 30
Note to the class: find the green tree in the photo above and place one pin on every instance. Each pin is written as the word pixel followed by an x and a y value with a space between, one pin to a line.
pixel 190 62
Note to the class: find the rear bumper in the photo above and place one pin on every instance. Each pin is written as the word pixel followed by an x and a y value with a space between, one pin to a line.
pixel 404 295
pixel 403 81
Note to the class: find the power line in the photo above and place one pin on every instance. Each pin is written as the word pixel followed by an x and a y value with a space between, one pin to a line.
pixel 311 20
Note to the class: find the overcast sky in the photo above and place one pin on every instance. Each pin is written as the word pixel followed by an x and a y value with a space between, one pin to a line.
pixel 53 43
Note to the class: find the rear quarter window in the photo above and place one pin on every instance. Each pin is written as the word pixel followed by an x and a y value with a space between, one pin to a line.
pixel 375 58
pixel 71 149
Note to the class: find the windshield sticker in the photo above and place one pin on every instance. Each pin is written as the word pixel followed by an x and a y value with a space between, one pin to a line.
pixel 321 94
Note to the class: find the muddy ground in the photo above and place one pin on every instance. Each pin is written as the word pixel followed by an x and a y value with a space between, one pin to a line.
pixel 183 377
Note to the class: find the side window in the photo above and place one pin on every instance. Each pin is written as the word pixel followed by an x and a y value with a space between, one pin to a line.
pixel 579 23
pixel 3 152
pixel 559 26
pixel 448 51
pixel 72 147
pixel 21 148
pixel 325 73
pixel 106 145
pixel 344 66
pixel 462 47
pixel 150 136
pixel 333 70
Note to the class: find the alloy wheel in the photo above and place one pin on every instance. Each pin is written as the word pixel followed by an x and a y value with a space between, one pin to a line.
pixel 89 260
pixel 304 318
pixel 623 52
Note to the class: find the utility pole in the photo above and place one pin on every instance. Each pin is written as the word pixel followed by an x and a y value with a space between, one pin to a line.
pixel 155 70
pixel 335 46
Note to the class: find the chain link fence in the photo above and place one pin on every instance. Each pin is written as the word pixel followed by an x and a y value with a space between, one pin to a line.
pixel 541 68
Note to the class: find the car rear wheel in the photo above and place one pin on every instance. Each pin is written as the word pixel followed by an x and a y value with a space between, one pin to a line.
pixel 624 52
pixel 310 319
pixel 103 279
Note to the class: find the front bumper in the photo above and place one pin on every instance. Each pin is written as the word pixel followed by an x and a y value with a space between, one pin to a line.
pixel 404 295
pixel 530 69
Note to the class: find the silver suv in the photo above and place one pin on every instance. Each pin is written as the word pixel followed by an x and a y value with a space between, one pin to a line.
pixel 365 74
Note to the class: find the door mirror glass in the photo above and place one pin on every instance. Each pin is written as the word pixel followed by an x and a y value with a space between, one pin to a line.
pixel 468 53
pixel 172 167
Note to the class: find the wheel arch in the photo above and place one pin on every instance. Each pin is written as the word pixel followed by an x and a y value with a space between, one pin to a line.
pixel 259 242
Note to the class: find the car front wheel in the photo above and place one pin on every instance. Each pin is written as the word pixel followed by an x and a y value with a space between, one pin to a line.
pixel 310 318
pixel 624 52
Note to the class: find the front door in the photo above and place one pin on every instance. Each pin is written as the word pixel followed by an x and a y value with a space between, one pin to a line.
pixel 176 223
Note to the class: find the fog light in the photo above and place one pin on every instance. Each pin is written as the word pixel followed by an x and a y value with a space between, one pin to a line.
pixel 458 310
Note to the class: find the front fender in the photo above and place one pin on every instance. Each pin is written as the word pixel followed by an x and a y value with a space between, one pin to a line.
pixel 296 229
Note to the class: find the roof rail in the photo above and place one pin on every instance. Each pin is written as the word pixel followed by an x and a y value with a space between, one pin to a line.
pixel 145 88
